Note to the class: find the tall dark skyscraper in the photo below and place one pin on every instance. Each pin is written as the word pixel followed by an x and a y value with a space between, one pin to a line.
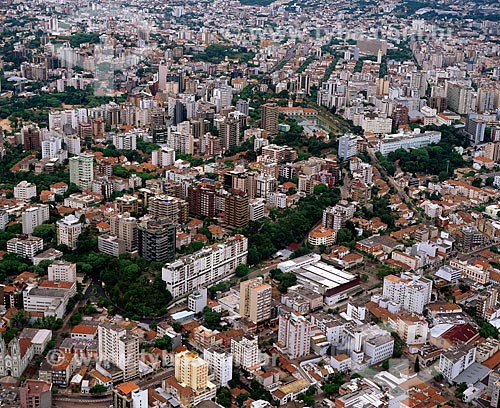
pixel 157 240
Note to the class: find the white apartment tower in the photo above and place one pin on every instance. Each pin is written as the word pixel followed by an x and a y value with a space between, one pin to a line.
pixel 245 351
pixel 33 217
pixel 348 146
pixel 294 334
pixel 412 292
pixel 220 365
pixel 205 267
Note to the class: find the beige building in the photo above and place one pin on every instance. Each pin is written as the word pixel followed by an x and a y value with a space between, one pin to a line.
pixel 61 271
pixel 68 230
pixel 191 370
pixel 120 348
pixel 255 300
pixel 124 227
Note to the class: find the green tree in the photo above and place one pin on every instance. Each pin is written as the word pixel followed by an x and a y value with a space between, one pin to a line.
pixel 242 270
pixel 224 397
pixel 45 231
pixel 98 388
pixel 477 182
pixel 211 318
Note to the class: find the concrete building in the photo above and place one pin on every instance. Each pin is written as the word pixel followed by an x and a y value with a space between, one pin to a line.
pixel 157 240
pixel 61 271
pixel 165 156
pixel 294 335
pixel 454 362
pixel 269 118
pixel 81 170
pixel 205 267
pixel 124 227
pixel 111 245
pixel 26 246
pixel 220 365
pixel 236 211
pixel 459 97
pixel 34 216
pixel 278 154
pixel 36 394
pixel 68 230
pixel 24 190
pixel 192 370
pixel 412 292
pixel 173 208
pixel 407 141
pixel 125 141
pixel 255 300
pixel 197 301
pixel 348 146
pixel 245 351
pixel 119 347
pixel 256 209
pixel 49 301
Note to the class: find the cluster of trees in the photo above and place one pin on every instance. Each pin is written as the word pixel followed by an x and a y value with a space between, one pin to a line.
pixel 216 53
pixel 211 319
pixel 285 279
pixel 35 109
pixel 163 343
pixel 296 138
pixel 78 39
pixel 384 270
pixel 132 283
pixel 308 397
pixel 332 385
pixel 267 236
pixel 257 392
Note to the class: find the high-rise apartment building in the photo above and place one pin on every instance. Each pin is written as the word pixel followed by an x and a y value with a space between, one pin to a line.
pixel 120 348
pixel 294 335
pixel 125 141
pixel 81 170
pixel 164 156
pixel 269 118
pixel 206 266
pixel 220 365
pixel 459 97
pixel 202 200
pixel 255 300
pixel 24 190
pixel 31 138
pixel 173 208
pixel 245 351
pixel 124 227
pixel 412 292
pixel 236 212
pixel 68 230
pixel 191 369
pixel 34 216
pixel 278 154
pixel 26 246
pixel 157 240
pixel 229 132
pixel 475 129
pixel 348 146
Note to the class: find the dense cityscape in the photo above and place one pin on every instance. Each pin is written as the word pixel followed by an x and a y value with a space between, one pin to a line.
pixel 249 203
